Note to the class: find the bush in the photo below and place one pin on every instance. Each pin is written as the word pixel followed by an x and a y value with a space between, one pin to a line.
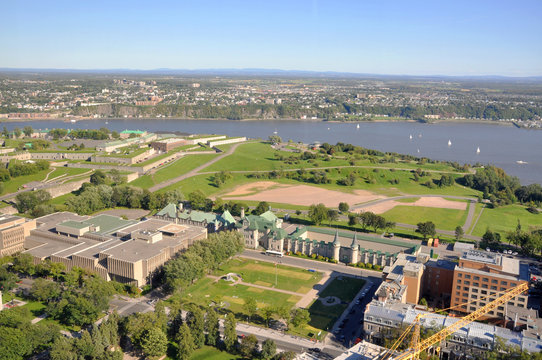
pixel 361 265
pixel 369 266
pixel 313 256
pixel 376 267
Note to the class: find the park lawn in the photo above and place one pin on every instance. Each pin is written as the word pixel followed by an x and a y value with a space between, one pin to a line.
pixel 174 169
pixel 207 290
pixel 60 200
pixel 69 171
pixel 211 353
pixel 15 183
pixel 444 219
pixel 265 273
pixel 505 218
pixel 343 287
pixel 205 184
pixel 477 209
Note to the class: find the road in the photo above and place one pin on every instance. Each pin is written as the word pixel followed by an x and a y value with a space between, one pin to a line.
pixel 195 171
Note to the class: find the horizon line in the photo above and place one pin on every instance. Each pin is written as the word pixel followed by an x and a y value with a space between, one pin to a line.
pixel 263 70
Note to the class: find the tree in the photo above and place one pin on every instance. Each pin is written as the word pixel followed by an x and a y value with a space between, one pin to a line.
pixel 275 139
pixel 211 327
pixel 250 306
pixel 269 349
pixel 262 207
pixel 353 219
pixel 154 343
pixel 268 313
pixel 98 178
pixel 426 229
pixel 344 207
pixel 283 312
pixel 27 130
pixel 318 213
pixel 28 200
pixel 24 263
pixel 196 324
pixel 459 232
pixel 63 349
pixel 185 343
pixel 230 335
pixel 332 215
pixel 249 345
pixel 300 317
pixel 5 132
pixel 17 132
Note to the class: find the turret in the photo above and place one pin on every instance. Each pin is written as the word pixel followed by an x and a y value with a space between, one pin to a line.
pixel 354 252
pixel 336 246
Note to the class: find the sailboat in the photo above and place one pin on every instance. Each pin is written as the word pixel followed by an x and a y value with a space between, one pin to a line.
pixel 357 126
pixel 418 151
pixel 449 142
pixel 410 136
pixel 478 150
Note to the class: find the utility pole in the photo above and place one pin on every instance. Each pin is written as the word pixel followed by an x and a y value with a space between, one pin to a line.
pixel 276 274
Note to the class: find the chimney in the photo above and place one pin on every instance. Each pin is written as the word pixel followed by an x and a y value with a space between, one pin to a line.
pixel 180 206
pixel 242 212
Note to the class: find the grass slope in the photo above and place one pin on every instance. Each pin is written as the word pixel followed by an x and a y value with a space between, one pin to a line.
pixel 505 218
pixel 445 219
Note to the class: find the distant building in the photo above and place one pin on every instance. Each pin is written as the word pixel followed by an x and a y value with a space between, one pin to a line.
pixel 165 145
pixel 125 134
pixel 264 231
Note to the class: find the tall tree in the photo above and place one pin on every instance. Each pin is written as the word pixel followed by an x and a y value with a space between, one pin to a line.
pixel 27 130
pixel 185 343
pixel 269 349
pixel 250 306
pixel 195 322
pixel 318 213
pixel 211 327
pixel 230 334
pixel 426 229
pixel 154 343
pixel 459 232
pixel 249 345
pixel 300 317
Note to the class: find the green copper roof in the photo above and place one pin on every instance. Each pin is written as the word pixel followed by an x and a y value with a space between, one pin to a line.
pixel 336 241
pixel 227 217
pixel 354 244
pixel 170 210
pixel 269 216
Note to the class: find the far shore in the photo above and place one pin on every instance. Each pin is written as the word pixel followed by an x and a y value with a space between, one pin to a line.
pixel 457 121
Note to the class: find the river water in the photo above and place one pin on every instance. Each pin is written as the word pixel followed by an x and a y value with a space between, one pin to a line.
pixel 502 146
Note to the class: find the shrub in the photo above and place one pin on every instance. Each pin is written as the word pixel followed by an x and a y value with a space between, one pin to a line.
pixel 313 256
pixel 369 266
pixel 361 265
pixel 376 267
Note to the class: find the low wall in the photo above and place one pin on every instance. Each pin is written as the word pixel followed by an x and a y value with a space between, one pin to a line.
pixel 226 141
pixel 60 156
pixel 66 188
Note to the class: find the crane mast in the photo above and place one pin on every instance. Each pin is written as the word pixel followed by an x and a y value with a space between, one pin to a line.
pixel 417 347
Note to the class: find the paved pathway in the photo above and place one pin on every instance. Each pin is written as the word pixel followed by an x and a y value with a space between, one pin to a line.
pixel 195 171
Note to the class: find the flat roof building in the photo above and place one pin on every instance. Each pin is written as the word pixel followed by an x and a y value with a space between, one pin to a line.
pixel 127 251
pixel 13 230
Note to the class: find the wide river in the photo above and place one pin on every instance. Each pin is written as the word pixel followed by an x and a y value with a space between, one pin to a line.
pixel 503 146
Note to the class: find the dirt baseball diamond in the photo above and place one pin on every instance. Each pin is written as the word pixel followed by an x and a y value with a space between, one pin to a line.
pixel 436 202
pixel 298 194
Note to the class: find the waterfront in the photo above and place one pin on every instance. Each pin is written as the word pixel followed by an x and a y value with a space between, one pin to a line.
pixel 502 146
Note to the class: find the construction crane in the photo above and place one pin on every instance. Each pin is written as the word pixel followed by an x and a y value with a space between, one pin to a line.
pixel 416 346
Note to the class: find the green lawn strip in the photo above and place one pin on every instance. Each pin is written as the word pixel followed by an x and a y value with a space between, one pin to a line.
pixel 69 171
pixel 204 183
pixel 265 273
pixel 408 200
pixel 153 159
pixel 144 182
pixel 477 209
pixel 211 353
pixel 344 287
pixel 445 219
pixel 206 290
pixel 505 218
pixel 15 183
pixel 182 166
pixel 60 200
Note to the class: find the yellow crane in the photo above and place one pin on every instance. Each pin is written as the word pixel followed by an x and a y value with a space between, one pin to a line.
pixel 416 346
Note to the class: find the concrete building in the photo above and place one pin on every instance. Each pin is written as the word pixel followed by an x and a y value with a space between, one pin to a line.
pixel 124 159
pixel 113 145
pixel 481 277
pixel 165 145
pixel 381 318
pixel 13 231
pixel 127 251
pixel 226 141
pixel 125 134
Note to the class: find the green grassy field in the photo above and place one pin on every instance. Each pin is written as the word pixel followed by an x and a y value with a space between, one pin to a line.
pixel 179 167
pixel 265 274
pixel 505 218
pixel 445 219
pixel 211 353
pixel 15 183
pixel 69 171
pixel 206 290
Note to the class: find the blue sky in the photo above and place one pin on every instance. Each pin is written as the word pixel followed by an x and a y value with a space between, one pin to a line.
pixel 455 37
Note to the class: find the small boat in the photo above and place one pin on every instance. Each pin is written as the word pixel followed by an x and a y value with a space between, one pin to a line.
pixel 449 142
pixel 478 150
pixel 328 128
pixel 107 122
pixel 419 135
pixel 357 126
pixel 73 120
pixel 521 162
pixel 418 151
pixel 410 136
pixel 275 132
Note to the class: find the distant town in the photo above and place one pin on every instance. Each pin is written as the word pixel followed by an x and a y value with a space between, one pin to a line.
pixel 31 95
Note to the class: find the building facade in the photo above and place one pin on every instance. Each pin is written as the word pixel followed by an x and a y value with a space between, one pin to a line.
pixel 13 231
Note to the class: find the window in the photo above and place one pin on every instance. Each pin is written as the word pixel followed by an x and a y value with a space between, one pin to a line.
pixel 493 288
pixel 465 295
pixel 503 289
pixel 485 279
pixel 459 281
pixel 458 287
pixel 474 290
pixel 459 275
pixel 494 281
pixel 458 293
pixel 467 282
pixel 484 286
pixel 483 292
pixel 474 296
pixel 467 276
pixel 476 278
pixel 513 284
pixel 504 283
pixel 466 288
pixel 476 284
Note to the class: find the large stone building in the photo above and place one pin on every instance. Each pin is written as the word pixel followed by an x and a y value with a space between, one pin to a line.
pixel 13 230
pixel 481 277
pixel 264 231
pixel 212 222
pixel 124 250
